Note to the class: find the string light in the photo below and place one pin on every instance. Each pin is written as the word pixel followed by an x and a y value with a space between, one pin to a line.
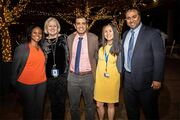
pixel 118 23
pixel 101 14
pixel 6 46
pixel 69 17
pixel 7 18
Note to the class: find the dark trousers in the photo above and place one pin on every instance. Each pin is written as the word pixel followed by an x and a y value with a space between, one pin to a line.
pixel 57 92
pixel 78 85
pixel 146 99
pixel 33 100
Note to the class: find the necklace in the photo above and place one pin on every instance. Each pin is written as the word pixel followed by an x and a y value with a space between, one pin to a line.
pixel 52 40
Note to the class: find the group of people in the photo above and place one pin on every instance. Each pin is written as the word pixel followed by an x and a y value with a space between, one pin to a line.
pixel 75 65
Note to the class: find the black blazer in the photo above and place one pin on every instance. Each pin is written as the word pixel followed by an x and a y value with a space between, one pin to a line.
pixel 148 58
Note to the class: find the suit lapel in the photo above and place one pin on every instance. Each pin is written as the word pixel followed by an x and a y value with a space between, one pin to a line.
pixel 71 40
pixel 23 54
pixel 139 39
pixel 88 43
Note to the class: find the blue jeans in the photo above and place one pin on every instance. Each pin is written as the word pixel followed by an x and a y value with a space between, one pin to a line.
pixel 81 84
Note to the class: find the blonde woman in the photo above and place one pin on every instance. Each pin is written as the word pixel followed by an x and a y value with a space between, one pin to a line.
pixel 55 49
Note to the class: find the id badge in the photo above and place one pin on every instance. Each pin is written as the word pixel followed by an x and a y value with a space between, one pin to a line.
pixel 106 75
pixel 55 72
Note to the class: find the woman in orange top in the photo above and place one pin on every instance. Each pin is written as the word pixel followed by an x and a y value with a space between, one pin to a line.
pixel 29 74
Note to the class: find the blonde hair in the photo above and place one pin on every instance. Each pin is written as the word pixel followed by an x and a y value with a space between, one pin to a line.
pixel 47 22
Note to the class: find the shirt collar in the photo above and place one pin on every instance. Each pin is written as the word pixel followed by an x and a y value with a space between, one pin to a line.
pixel 137 28
pixel 84 36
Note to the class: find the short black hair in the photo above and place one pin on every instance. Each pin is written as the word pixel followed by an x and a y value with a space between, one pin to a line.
pixel 133 8
pixel 78 17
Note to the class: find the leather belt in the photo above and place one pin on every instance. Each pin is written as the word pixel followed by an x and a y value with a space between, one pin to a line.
pixel 82 73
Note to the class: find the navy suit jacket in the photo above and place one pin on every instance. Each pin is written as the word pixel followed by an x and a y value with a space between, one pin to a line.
pixel 148 58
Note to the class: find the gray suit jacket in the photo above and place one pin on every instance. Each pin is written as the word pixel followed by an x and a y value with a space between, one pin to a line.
pixel 92 49
pixel 19 61
pixel 148 58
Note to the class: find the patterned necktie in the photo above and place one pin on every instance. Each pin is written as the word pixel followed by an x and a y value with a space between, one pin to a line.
pixel 130 50
pixel 78 52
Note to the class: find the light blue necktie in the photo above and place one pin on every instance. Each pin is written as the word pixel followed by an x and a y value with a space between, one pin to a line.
pixel 130 50
pixel 78 52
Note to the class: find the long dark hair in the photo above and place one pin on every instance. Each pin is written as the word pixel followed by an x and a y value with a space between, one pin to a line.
pixel 116 40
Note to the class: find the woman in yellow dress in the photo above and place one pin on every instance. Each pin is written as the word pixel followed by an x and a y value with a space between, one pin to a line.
pixel 107 83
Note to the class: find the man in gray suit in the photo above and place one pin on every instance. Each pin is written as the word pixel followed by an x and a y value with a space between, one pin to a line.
pixel 143 67
pixel 83 47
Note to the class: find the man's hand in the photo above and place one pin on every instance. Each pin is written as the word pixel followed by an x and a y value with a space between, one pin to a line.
pixel 156 85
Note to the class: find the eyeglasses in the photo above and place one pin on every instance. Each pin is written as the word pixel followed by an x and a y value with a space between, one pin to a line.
pixel 133 17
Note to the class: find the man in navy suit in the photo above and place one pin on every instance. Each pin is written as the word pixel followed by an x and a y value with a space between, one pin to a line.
pixel 143 67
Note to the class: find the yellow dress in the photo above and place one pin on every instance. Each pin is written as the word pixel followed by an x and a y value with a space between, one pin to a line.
pixel 107 89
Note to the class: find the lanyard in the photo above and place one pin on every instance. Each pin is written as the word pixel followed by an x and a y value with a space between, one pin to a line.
pixel 53 48
pixel 106 55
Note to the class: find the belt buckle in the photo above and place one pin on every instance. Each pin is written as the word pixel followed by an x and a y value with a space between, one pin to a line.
pixel 81 73
pixel 84 73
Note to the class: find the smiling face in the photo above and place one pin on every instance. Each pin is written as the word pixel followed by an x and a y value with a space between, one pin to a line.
pixel 133 19
pixel 81 26
pixel 108 34
pixel 36 34
pixel 52 28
